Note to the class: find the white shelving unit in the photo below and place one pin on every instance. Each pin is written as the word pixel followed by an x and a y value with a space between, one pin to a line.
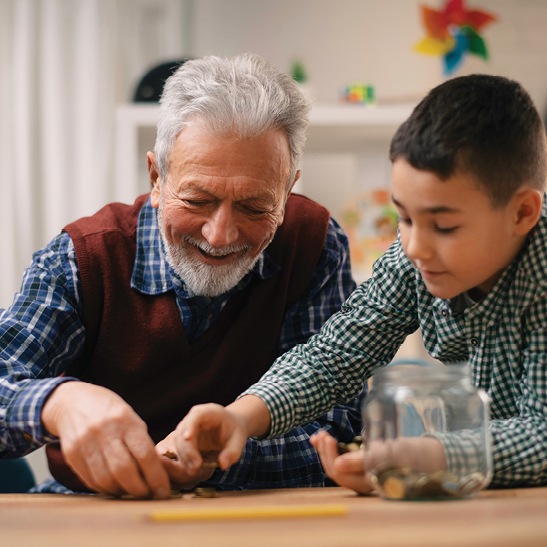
pixel 333 128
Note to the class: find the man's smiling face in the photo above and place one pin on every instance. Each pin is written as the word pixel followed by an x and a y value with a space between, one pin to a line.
pixel 220 205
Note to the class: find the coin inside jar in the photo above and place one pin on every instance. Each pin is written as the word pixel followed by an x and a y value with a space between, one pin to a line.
pixel 394 488
pixel 470 484
pixel 404 483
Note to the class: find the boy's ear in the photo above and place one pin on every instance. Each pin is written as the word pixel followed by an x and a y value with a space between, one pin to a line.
pixel 528 204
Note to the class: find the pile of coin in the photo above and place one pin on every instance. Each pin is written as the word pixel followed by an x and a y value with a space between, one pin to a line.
pixel 399 483
pixel 355 444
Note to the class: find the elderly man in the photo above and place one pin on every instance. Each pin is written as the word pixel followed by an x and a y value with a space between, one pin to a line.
pixel 130 317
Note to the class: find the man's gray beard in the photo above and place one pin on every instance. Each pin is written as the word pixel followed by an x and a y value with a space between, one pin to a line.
pixel 204 279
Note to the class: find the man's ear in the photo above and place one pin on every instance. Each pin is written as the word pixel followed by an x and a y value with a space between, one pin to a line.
pixel 528 202
pixel 155 180
pixel 282 215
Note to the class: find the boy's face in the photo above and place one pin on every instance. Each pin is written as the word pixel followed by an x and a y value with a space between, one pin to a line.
pixel 450 231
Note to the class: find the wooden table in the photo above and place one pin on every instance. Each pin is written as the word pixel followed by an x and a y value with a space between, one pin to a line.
pixel 496 518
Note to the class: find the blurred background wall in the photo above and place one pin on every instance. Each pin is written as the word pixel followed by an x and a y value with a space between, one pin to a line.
pixel 67 65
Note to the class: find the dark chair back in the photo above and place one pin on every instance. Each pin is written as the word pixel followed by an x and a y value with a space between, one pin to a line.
pixel 16 476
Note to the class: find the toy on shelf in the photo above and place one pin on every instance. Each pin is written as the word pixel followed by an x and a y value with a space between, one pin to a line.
pixel 298 72
pixel 453 33
pixel 358 94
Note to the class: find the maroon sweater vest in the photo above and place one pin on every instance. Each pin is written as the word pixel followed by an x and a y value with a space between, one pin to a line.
pixel 135 343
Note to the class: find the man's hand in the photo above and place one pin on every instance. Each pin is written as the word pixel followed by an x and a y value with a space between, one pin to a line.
pixel 181 479
pixel 104 441
pixel 419 453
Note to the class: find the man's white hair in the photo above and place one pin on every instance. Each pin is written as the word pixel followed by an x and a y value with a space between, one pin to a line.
pixel 243 96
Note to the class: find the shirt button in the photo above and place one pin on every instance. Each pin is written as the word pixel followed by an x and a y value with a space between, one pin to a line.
pixel 27 437
pixel 444 313
pixel 474 341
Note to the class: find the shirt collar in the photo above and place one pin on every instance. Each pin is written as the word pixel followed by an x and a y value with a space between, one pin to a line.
pixel 153 275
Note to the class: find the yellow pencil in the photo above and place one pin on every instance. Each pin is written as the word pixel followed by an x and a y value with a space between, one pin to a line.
pixel 257 512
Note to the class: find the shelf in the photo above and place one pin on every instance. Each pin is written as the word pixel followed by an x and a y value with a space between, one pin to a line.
pixel 353 114
pixel 353 128
pixel 333 128
pixel 322 114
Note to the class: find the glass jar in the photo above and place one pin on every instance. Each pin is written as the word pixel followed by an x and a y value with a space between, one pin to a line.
pixel 410 404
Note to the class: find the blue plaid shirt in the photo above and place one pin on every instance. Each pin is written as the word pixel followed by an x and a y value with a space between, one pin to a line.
pixel 42 333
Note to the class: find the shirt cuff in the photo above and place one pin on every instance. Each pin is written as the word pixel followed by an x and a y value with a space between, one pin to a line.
pixel 466 453
pixel 279 403
pixel 24 415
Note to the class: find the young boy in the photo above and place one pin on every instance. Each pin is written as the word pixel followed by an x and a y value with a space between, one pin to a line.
pixel 469 268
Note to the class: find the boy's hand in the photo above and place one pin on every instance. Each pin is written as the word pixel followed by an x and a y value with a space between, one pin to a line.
pixel 346 470
pixel 425 454
pixel 211 428
pixel 180 478
pixel 419 453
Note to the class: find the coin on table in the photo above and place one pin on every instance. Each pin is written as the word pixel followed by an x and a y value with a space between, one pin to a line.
pixel 205 492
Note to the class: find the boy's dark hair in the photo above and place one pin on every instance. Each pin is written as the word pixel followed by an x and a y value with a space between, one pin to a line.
pixel 483 125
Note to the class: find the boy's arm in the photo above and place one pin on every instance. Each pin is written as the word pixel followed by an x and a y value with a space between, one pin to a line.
pixel 332 367
pixel 520 442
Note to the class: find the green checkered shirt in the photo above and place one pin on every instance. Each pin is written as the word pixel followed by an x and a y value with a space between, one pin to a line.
pixel 503 338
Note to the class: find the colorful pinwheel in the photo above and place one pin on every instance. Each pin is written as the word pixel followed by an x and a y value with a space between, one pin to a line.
pixel 453 33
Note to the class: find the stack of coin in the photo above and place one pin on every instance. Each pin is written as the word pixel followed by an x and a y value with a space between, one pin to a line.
pixel 394 482
pixel 355 444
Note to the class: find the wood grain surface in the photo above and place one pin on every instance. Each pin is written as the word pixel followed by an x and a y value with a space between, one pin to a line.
pixel 497 518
